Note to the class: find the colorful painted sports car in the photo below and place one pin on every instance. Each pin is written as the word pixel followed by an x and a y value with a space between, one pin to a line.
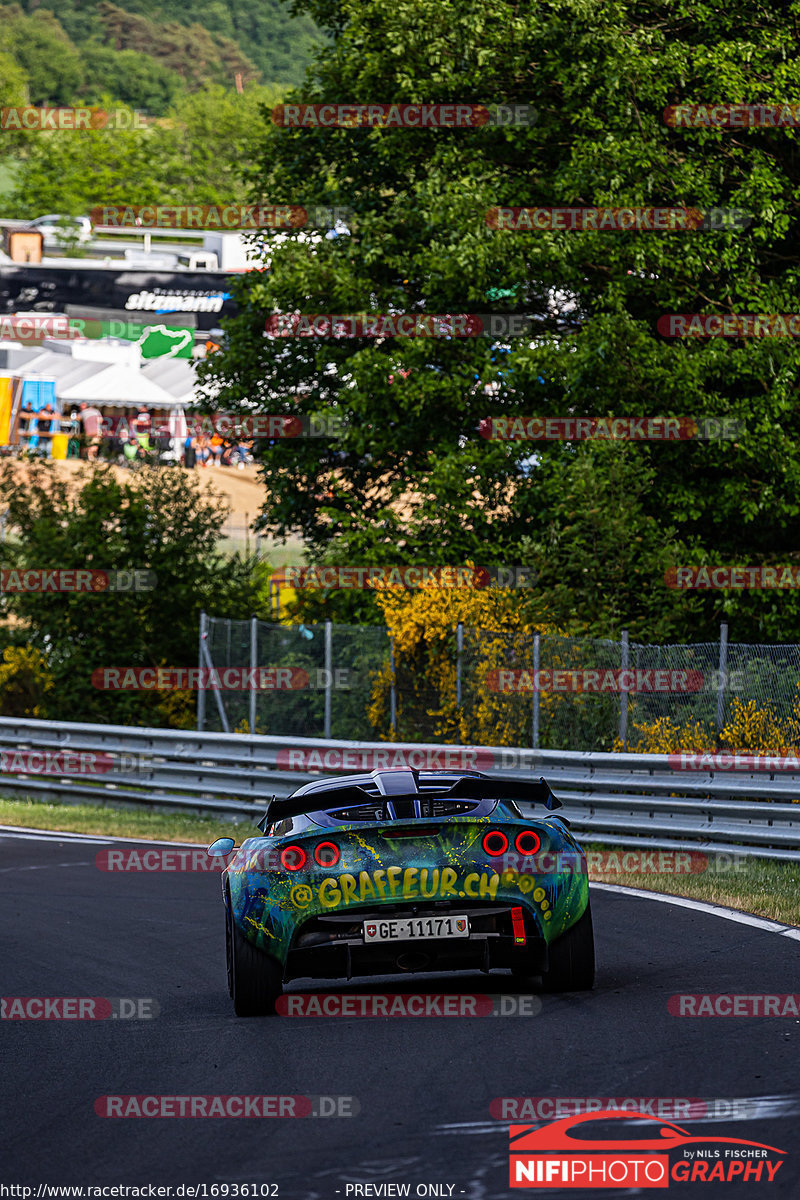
pixel 402 871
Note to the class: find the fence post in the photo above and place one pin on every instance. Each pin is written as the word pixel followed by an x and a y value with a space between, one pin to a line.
pixel 205 656
pixel 392 693
pixel 328 676
pixel 623 694
pixel 201 693
pixel 536 651
pixel 459 652
pixel 253 670
pixel 723 667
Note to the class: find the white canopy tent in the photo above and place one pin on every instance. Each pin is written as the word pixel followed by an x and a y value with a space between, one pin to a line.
pixel 119 386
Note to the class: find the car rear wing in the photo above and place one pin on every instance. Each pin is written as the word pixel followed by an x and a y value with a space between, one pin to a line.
pixel 533 791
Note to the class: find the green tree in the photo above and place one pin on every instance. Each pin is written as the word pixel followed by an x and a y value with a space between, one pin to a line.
pixel 266 37
pixel 196 155
pixel 43 50
pixel 413 479
pixel 597 549
pixel 132 77
pixel 13 93
pixel 160 522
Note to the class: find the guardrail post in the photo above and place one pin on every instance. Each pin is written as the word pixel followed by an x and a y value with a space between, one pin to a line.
pixel 328 675
pixel 201 692
pixel 623 694
pixel 253 670
pixel 536 652
pixel 459 652
pixel 723 668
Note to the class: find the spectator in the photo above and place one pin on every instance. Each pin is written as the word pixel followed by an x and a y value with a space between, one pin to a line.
pixel 216 450
pixel 190 451
pixel 91 420
pixel 47 424
pixel 240 450
pixel 24 426
pixel 203 449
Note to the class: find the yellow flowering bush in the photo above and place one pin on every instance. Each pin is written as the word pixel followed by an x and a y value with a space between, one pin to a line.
pixel 24 680
pixel 753 727
pixel 423 624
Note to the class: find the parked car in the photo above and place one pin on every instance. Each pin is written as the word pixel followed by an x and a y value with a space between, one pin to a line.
pixel 60 230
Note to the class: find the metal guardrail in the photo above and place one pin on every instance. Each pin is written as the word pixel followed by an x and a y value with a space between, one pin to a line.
pixel 621 799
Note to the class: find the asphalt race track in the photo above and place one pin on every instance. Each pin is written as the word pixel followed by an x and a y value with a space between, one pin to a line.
pixel 423 1085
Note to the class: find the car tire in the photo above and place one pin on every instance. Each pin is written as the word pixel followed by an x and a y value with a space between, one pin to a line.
pixel 571 959
pixel 256 979
pixel 228 947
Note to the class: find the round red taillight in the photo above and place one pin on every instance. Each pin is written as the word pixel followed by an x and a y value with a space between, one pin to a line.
pixel 528 842
pixel 326 854
pixel 495 843
pixel 293 858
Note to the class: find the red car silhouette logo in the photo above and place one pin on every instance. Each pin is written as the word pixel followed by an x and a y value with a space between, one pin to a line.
pixel 556 1157
pixel 526 1139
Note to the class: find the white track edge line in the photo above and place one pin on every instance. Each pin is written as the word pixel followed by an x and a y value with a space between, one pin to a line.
pixel 50 835
pixel 714 910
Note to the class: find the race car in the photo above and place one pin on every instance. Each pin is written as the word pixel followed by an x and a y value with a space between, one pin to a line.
pixel 399 871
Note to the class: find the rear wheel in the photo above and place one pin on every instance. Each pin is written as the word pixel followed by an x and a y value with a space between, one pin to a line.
pixel 255 979
pixel 228 948
pixel 571 959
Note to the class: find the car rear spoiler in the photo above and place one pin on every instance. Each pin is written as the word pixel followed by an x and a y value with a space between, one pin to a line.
pixel 533 791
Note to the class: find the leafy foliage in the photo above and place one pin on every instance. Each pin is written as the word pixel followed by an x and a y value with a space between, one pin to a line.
pixel 200 41
pixel 413 481
pixel 161 522
pixel 752 728
pixel 24 683
pixel 423 627
pixel 193 157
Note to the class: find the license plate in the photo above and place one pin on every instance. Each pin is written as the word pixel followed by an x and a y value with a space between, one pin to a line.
pixel 412 929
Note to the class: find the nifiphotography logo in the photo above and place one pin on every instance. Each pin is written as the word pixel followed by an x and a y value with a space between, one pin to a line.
pixel 573 1153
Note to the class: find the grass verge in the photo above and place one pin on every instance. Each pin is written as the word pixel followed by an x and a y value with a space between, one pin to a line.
pixel 122 822
pixel 753 885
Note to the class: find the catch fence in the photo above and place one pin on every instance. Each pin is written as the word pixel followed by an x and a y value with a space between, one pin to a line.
pixel 492 687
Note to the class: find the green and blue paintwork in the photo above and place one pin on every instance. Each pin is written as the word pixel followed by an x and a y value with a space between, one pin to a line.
pixel 270 904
